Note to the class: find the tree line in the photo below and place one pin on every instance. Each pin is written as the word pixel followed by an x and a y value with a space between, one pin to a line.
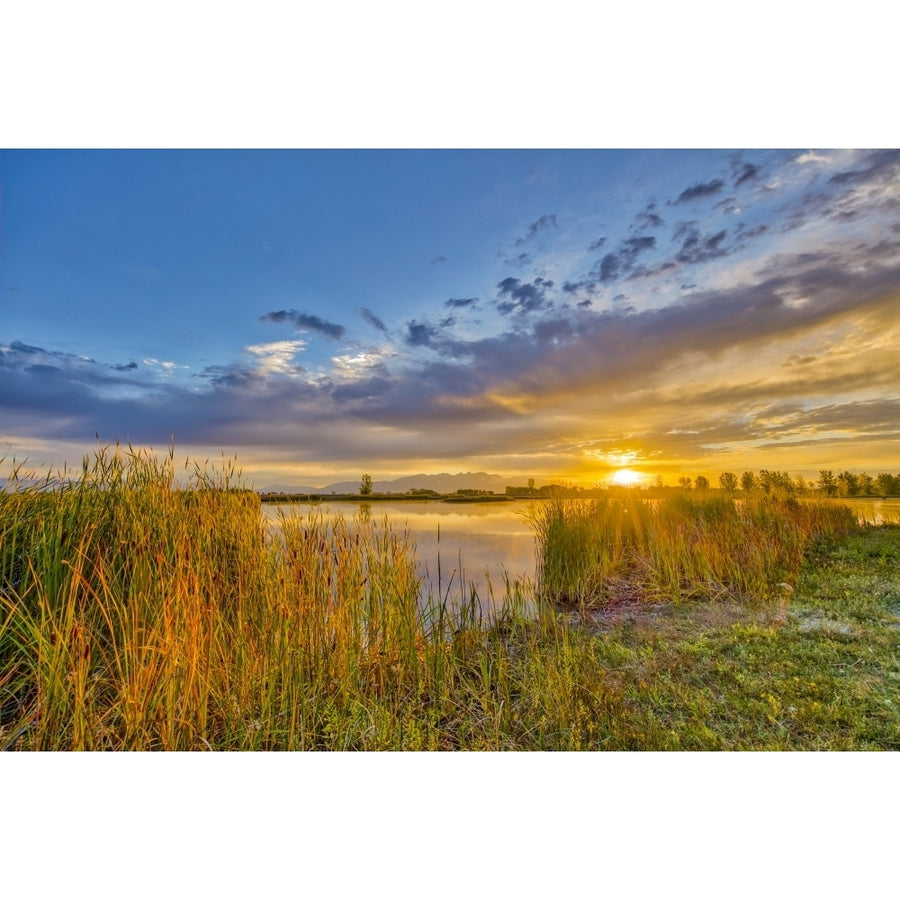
pixel 842 484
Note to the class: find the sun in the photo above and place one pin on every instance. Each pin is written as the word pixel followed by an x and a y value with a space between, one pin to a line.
pixel 626 478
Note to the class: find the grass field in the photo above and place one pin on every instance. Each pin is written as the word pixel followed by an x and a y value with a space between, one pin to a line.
pixel 143 614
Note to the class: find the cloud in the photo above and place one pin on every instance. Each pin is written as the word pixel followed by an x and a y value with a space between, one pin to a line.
pixel 277 357
pixel 871 186
pixel 576 287
pixel 519 260
pixel 697 249
pixel 647 218
pixel 306 322
pixel 809 157
pixel 460 302
pixel 372 319
pixel 748 172
pixel 743 232
pixel 876 167
pixel 434 336
pixel 420 334
pixel 523 297
pixel 596 245
pixel 437 260
pixel 686 378
pixel 632 246
pixel 620 263
pixel 365 361
pixel 608 269
pixel 700 190
pixel 164 367
pixel 542 224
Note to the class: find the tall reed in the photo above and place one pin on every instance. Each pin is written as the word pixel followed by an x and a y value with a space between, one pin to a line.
pixel 592 553
pixel 138 612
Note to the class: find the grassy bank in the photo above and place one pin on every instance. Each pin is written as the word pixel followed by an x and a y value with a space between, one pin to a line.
pixel 139 614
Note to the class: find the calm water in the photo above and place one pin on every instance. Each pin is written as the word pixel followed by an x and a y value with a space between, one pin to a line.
pixel 872 511
pixel 458 545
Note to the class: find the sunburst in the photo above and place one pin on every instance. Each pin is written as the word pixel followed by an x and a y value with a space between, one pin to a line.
pixel 626 478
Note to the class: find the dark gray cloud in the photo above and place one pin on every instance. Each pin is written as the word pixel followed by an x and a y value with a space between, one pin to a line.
pixel 542 224
pixel 631 247
pixel 608 269
pixel 364 389
pixel 728 206
pixel 876 167
pixel 620 263
pixel 647 218
pixel 306 322
pixel 19 355
pixel 421 334
pixel 577 287
pixel 523 297
pixel 743 232
pixel 700 190
pixel 596 245
pixel 372 319
pixel 748 172
pixel 519 260
pixel 554 331
pixel 460 302
pixel 696 248
pixel 434 336
pixel 438 259
pixel 19 347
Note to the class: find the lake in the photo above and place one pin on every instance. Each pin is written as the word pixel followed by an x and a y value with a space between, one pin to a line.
pixel 872 510
pixel 459 546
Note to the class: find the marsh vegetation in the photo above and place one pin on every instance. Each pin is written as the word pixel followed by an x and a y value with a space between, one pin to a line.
pixel 140 611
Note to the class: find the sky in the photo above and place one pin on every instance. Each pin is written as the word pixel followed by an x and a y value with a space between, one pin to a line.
pixel 546 313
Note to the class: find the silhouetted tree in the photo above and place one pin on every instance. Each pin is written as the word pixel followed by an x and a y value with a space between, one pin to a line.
pixel 800 485
pixel 826 483
pixel 365 485
pixel 701 482
pixel 887 483
pixel 848 484
pixel 728 482
pixel 748 481
pixel 685 482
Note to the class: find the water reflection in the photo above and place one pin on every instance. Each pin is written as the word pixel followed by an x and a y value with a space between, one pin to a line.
pixel 460 547
pixel 872 511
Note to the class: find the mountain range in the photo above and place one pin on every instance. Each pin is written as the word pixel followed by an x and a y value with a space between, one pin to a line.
pixel 443 483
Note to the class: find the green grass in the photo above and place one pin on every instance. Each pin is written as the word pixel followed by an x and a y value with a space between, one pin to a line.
pixel 137 613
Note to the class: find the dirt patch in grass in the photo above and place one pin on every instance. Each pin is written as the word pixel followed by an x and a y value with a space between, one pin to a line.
pixel 672 620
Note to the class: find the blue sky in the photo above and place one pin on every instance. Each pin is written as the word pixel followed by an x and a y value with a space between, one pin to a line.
pixel 532 313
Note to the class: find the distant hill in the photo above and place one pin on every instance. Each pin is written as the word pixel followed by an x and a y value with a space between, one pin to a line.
pixel 444 483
